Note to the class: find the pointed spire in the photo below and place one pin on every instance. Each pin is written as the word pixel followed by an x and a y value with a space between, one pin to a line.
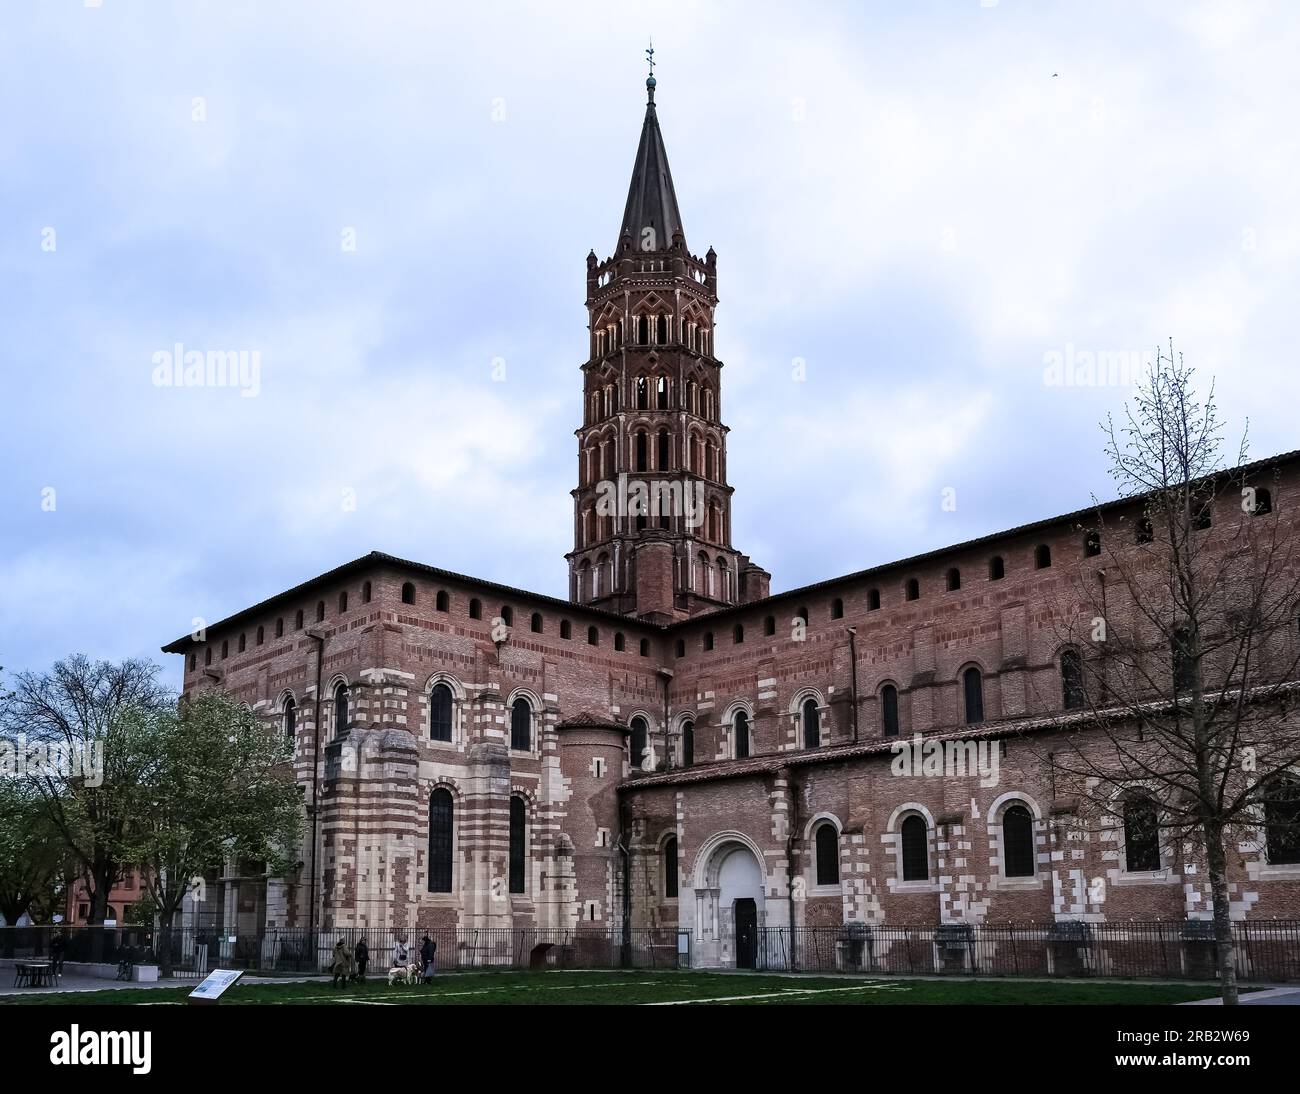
pixel 651 218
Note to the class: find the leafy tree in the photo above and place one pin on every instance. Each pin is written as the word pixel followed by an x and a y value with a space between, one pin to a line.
pixel 215 784
pixel 32 857
pixel 94 712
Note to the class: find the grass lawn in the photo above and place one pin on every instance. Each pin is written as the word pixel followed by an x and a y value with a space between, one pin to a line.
pixel 655 987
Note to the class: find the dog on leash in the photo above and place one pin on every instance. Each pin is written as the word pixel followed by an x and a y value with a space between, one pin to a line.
pixel 404 974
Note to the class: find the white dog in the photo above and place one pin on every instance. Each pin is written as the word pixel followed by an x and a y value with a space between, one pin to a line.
pixel 403 974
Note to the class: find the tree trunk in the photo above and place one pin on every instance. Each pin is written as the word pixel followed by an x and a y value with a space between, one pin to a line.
pixel 102 877
pixel 1224 956
pixel 165 917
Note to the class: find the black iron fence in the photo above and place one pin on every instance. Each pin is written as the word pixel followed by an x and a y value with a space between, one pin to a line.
pixel 192 953
pixel 1267 951
pixel 1261 951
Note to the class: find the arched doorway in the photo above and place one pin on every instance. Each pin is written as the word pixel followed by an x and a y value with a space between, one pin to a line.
pixel 729 903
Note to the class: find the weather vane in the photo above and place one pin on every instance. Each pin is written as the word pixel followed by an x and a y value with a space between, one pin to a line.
pixel 650 56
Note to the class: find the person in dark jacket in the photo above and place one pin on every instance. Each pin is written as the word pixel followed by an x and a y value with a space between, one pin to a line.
pixel 57 945
pixel 427 948
pixel 363 959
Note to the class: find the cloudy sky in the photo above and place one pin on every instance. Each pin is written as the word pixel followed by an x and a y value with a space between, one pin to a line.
pixel 922 202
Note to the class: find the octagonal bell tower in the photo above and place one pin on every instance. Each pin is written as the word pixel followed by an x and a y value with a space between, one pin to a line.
pixel 652 509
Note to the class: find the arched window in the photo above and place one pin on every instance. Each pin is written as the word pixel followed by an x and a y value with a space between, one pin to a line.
pixel 441 840
pixel 320 610
pixel 566 629
pixel 507 615
pixel 343 602
pixel 261 635
pixel 1183 662
pixel 802 615
pixel 1072 680
pixel 521 725
pixel 708 640
pixel 535 623
pixel 953 579
pixel 688 743
pixel 207 656
pixel 828 854
pixel 662 458
pixel 1018 842
pixel 769 625
pixel 873 600
pixel 476 608
pixel 812 726
pixel 243 643
pixel 1091 544
pixel 1145 531
pixel 1042 556
pixel 518 847
pixel 916 848
pixel 279 627
pixel 889 710
pixel 290 717
pixel 637 745
pixel 997 568
pixel 973 691
pixel 740 734
pixel 408 593
pixel 194 662
pixel 225 648
pixel 645 647
pixel 442 602
pixel 620 642
pixel 642 451
pixel 593 636
pixel 913 589
pixel 837 608
pixel 340 709
pixel 670 867
pixel 1263 502
pixel 297 620
pixel 681 647
pixel 738 634
pixel 365 592
pixel 642 390
pixel 1141 833
pixel 1282 821
pixel 440 706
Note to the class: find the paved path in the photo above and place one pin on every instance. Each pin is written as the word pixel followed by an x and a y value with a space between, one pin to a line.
pixel 1275 997
pixel 75 983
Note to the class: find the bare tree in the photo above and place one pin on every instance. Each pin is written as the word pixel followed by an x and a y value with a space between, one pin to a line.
pixel 89 712
pixel 1183 668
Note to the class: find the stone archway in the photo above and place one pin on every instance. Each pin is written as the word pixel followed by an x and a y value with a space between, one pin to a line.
pixel 729 870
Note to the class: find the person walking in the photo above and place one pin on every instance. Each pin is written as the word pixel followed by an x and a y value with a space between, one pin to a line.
pixel 340 966
pixel 427 949
pixel 363 959
pixel 57 945
pixel 401 957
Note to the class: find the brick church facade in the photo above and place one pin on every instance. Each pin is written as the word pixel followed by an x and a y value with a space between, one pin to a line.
pixel 673 745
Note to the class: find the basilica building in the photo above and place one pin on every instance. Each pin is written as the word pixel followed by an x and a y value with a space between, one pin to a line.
pixel 673 745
